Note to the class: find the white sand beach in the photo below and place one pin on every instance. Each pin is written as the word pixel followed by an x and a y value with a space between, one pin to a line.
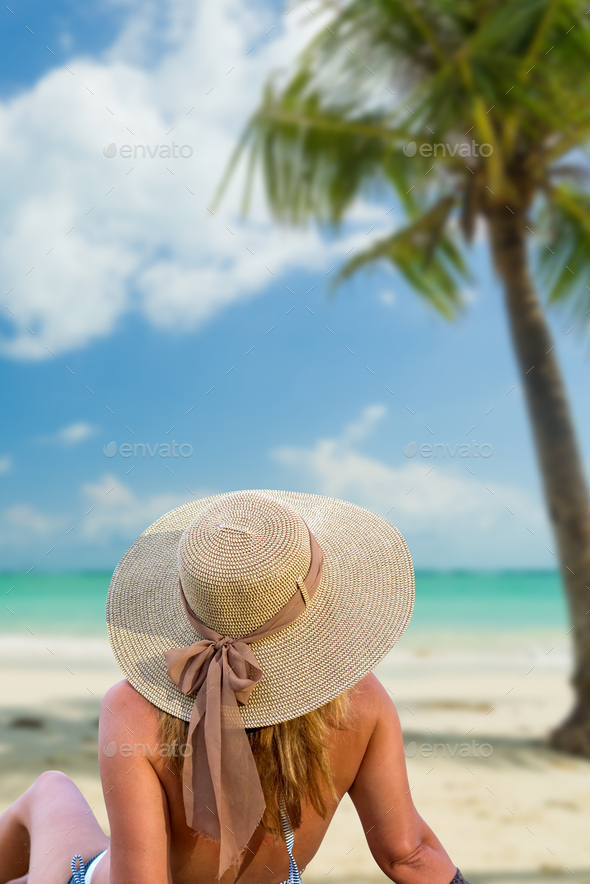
pixel 521 814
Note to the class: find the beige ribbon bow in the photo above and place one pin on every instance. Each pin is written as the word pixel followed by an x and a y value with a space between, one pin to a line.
pixel 222 793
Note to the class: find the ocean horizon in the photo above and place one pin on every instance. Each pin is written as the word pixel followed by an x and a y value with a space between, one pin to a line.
pixel 73 602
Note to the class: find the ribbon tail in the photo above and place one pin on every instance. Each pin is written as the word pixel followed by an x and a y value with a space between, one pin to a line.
pixel 240 799
pixel 198 781
pixel 222 794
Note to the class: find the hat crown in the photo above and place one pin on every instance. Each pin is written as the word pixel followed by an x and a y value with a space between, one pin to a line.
pixel 240 559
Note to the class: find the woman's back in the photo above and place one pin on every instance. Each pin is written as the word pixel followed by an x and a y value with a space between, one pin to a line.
pixel 144 798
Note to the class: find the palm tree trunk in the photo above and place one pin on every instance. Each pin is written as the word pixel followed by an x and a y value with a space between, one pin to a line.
pixel 566 491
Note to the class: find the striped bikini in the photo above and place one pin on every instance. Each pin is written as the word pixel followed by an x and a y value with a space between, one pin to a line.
pixel 82 872
pixel 294 874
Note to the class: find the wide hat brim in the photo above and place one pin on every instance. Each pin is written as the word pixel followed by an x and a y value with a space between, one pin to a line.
pixel 361 608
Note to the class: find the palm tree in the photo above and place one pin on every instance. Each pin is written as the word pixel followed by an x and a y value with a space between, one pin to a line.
pixel 378 102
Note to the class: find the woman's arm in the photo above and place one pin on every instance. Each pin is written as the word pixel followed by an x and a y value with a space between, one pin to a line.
pixel 403 846
pixel 135 800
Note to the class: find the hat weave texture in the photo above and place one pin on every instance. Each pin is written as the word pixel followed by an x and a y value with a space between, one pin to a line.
pixel 240 557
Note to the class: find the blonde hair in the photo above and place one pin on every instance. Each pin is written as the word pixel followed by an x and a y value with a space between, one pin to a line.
pixel 292 759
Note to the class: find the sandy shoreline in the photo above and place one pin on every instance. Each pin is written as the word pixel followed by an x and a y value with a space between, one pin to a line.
pixel 519 815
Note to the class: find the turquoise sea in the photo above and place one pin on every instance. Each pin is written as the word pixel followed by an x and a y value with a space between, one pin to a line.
pixel 74 603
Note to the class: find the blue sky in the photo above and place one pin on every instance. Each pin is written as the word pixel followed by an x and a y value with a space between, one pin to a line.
pixel 151 320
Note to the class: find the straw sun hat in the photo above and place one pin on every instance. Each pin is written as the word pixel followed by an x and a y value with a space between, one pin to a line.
pixel 240 558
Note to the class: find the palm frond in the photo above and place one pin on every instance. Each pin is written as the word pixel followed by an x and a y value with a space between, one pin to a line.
pixel 425 253
pixel 316 160
pixel 563 263
pixel 389 72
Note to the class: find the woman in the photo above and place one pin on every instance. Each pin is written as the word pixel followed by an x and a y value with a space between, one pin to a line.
pixel 246 626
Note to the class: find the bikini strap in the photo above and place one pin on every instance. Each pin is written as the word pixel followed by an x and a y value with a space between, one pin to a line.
pixel 78 874
pixel 294 876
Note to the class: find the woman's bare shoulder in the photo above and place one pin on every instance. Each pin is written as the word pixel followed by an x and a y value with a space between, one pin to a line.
pixel 370 701
pixel 123 695
pixel 124 707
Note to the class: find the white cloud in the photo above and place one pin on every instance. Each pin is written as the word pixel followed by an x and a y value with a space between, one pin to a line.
pixel 449 520
pixel 83 239
pixel 387 298
pixel 364 426
pixel 117 511
pixel 5 463
pixel 75 433
pixel 22 523
pixel 71 435
pixel 110 513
